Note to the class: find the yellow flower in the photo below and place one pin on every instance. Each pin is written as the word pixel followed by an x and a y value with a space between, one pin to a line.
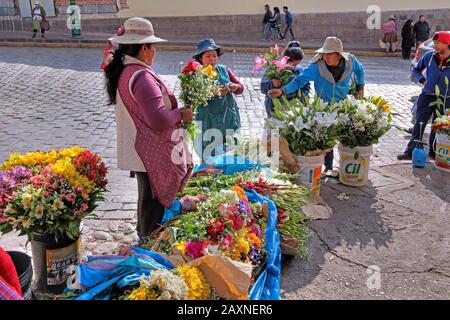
pixel 243 246
pixel 58 204
pixel 39 212
pixel 181 247
pixel 142 293
pixel 26 201
pixel 198 287
pixel 67 169
pixel 209 71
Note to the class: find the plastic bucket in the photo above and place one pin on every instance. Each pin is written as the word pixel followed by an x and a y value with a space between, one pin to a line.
pixel 354 165
pixel 52 260
pixel 24 269
pixel 442 152
pixel 310 171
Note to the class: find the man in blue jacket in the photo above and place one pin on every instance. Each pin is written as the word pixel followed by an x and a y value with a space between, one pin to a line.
pixel 437 65
pixel 289 21
pixel 332 71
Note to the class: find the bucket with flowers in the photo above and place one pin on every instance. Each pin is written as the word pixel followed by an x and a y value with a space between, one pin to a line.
pixel 45 196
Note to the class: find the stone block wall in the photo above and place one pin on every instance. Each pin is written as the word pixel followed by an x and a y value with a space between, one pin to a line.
pixel 87 6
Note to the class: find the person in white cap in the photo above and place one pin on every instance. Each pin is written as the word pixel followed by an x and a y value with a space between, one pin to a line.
pixel 38 16
pixel 332 71
pixel 148 118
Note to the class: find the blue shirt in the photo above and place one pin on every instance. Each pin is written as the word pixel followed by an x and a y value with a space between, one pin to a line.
pixel 435 74
pixel 289 18
pixel 326 87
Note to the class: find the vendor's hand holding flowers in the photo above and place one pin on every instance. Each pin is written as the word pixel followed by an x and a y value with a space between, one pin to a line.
pixel 277 83
pixel 275 93
pixel 187 115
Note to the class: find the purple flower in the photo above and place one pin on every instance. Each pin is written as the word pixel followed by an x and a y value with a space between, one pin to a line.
pixel 244 209
pixel 9 178
pixel 21 173
pixel 255 256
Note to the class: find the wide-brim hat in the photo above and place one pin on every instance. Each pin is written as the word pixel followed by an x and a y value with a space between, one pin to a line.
pixel 205 45
pixel 136 31
pixel 331 45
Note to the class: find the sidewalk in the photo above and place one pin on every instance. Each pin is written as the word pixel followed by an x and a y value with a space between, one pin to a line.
pixel 98 40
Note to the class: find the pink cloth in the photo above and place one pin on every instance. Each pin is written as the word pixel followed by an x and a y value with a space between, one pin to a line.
pixel 390 26
pixel 155 126
pixel 235 80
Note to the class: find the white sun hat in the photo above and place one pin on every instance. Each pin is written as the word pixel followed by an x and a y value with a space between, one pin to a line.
pixel 331 45
pixel 136 31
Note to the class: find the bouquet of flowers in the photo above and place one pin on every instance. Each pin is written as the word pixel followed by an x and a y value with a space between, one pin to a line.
pixel 226 224
pixel 362 122
pixel 198 86
pixel 50 192
pixel 275 67
pixel 308 127
pixel 442 125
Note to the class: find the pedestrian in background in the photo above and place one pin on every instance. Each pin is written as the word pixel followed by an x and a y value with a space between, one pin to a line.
pixel 267 36
pixel 289 21
pixel 38 16
pixel 148 121
pixel 390 38
pixel 407 39
pixel 276 24
pixel 421 31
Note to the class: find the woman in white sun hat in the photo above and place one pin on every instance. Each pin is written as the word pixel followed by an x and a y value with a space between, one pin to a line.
pixel 147 117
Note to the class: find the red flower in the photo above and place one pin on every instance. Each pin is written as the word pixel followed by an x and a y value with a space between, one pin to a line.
pixel 194 250
pixel 191 67
pixel 236 222
pixel 216 229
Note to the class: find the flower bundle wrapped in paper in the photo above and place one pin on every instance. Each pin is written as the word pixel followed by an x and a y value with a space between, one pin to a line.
pixel 50 192
pixel 198 86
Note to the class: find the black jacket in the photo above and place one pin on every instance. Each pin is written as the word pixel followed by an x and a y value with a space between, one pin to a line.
pixel 408 35
pixel 267 17
pixel 422 31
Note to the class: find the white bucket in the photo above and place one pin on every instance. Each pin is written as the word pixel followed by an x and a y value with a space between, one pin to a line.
pixel 354 172
pixel 310 171
pixel 442 152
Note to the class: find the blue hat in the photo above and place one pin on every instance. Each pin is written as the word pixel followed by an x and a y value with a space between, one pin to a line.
pixel 207 45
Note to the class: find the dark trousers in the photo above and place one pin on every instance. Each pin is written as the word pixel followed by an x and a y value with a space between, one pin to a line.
pixel 329 157
pixel 423 114
pixel 35 31
pixel 406 53
pixel 149 211
pixel 288 28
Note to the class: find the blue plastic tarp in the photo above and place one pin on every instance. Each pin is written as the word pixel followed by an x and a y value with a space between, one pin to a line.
pixel 229 164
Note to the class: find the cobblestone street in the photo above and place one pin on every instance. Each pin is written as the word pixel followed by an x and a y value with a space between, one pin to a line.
pixel 54 98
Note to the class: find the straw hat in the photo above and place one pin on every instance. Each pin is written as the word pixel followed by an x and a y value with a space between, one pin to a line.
pixel 136 31
pixel 331 45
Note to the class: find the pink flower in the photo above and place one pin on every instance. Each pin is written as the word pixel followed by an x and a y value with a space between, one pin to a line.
pixel 120 31
pixel 281 63
pixel 260 62
pixel 227 241
pixel 194 250
pixel 71 197
pixel 277 49
pixel 84 207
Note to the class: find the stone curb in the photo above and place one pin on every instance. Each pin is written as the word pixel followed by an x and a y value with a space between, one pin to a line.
pixel 86 44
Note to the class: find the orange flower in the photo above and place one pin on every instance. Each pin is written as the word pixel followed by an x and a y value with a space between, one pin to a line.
pixel 240 192
pixel 254 239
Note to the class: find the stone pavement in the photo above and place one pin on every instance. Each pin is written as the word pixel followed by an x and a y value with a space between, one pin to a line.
pixel 54 98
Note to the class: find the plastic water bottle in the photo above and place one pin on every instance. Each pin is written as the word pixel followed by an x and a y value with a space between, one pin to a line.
pixel 419 156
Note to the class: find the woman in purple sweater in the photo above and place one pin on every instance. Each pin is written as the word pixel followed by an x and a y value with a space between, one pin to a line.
pixel 147 116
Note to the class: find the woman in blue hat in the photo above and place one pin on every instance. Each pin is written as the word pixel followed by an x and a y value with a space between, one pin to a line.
pixel 222 112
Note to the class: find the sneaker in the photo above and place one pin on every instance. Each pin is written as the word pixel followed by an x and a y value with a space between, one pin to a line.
pixel 405 156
